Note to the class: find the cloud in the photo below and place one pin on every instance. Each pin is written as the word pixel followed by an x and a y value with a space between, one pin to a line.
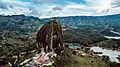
pixel 15 3
pixel 102 7
pixel 116 3
pixel 3 6
pixel 56 8
pixel 75 6
pixel 49 8
pixel 114 10
pixel 11 6
pixel 34 12
pixel 43 1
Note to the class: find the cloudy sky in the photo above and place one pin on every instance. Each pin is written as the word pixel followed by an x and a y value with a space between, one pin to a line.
pixel 50 8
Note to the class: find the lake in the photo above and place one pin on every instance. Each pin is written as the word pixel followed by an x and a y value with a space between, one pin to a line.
pixel 111 53
pixel 113 37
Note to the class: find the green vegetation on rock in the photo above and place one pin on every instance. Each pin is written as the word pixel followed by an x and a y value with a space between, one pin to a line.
pixel 68 59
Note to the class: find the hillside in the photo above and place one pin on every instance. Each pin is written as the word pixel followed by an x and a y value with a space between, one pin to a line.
pixel 18 33
pixel 109 21
pixel 80 29
pixel 21 23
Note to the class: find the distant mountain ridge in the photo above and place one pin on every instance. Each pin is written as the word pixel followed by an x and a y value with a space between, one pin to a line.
pixel 102 21
pixel 26 23
pixel 20 23
pixel 111 20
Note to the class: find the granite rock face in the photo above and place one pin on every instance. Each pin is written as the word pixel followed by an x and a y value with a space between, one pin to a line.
pixel 50 36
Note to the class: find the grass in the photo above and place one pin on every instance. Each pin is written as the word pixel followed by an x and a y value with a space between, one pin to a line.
pixel 67 59
pixel 12 41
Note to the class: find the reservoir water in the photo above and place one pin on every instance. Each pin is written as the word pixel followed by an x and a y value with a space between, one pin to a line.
pixel 111 53
pixel 113 37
